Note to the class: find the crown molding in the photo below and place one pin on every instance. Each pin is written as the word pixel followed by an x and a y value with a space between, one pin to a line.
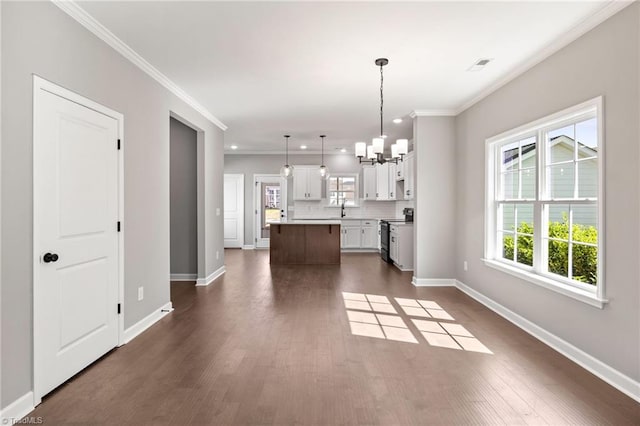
pixel 255 151
pixel 433 113
pixel 72 9
pixel 589 23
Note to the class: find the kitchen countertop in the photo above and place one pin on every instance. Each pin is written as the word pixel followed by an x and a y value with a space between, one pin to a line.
pixel 309 222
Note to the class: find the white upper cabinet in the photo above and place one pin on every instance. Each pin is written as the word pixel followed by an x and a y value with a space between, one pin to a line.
pixel 409 176
pixel 400 170
pixel 392 181
pixel 369 182
pixel 382 181
pixel 306 183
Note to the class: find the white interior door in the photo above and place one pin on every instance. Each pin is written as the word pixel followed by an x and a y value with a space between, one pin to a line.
pixel 76 245
pixel 233 210
pixel 270 202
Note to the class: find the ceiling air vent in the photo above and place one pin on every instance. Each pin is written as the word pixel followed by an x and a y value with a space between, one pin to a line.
pixel 479 64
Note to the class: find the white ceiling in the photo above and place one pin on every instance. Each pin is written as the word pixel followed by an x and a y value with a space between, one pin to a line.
pixel 307 68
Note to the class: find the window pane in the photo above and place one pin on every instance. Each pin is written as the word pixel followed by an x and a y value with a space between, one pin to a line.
pixel 348 184
pixel 587 138
pixel 510 155
pixel 528 179
pixel 333 198
pixel 560 180
pixel 508 217
pixel 507 246
pixel 333 184
pixel 588 178
pixel 528 153
pixel 584 263
pixel 525 249
pixel 559 258
pixel 525 218
pixel 560 144
pixel 559 222
pixel 510 185
pixel 349 198
pixel 585 224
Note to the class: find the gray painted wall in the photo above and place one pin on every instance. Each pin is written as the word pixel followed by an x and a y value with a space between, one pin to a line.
pixel 184 193
pixel 250 164
pixel 604 62
pixel 38 38
pixel 435 205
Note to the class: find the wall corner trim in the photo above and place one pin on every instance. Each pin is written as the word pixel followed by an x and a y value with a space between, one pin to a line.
pixel 72 9
pixel 433 282
pixel 17 409
pixel 146 322
pixel 211 278
pixel 623 383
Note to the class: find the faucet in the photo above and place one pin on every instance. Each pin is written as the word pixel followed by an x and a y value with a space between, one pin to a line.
pixel 342 212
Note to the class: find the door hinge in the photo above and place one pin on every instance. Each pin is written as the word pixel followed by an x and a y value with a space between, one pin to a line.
pixel 256 240
pixel 119 308
pixel 118 226
pixel 118 144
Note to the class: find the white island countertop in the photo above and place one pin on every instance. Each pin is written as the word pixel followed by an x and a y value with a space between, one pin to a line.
pixel 309 222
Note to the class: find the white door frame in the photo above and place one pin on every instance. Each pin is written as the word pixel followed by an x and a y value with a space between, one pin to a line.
pixel 241 204
pixel 41 85
pixel 283 201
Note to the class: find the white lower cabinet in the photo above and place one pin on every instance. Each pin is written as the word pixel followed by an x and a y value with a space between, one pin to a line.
pixel 359 234
pixel 401 246
pixel 350 238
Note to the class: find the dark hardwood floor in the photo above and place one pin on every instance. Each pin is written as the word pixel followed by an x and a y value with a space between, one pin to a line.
pixel 273 345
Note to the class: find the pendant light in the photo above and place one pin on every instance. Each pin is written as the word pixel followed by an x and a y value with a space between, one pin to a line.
pixel 374 153
pixel 286 171
pixel 323 170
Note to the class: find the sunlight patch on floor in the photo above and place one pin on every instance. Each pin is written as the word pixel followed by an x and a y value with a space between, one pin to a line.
pixel 378 325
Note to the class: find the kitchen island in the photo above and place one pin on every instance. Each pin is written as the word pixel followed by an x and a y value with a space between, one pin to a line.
pixel 305 242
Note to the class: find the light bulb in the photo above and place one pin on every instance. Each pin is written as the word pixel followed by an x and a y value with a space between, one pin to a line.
pixel 286 171
pixel 323 172
pixel 361 149
pixel 378 145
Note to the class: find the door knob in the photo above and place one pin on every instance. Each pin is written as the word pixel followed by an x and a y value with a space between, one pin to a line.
pixel 50 257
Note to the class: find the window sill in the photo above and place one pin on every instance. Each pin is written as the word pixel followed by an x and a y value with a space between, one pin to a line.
pixel 548 283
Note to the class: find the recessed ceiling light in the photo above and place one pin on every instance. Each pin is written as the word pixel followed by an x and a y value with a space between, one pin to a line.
pixel 234 146
pixel 384 136
pixel 303 147
pixel 480 64
pixel 343 150
pixel 397 120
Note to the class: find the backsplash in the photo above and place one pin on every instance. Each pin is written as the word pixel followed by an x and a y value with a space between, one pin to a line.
pixel 367 209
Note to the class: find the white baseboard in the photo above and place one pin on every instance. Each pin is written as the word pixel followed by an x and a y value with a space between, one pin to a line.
pixel 623 383
pixel 433 282
pixel 183 277
pixel 248 247
pixel 146 322
pixel 17 409
pixel 208 280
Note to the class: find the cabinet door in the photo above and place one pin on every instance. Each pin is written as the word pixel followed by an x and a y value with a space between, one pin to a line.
pixel 369 235
pixel 393 246
pixel 382 181
pixel 404 251
pixel 299 183
pixel 400 171
pixel 350 237
pixel 392 181
pixel 369 183
pixel 314 184
pixel 409 176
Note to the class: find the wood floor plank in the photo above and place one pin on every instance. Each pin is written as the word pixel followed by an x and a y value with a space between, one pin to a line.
pixel 272 344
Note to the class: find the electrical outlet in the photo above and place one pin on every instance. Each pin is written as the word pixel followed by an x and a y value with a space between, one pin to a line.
pixel 217 254
pixel 140 293
pixel 218 211
pixel 465 266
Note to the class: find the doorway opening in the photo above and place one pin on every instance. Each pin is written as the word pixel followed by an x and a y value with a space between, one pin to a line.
pixel 183 160
pixel 270 200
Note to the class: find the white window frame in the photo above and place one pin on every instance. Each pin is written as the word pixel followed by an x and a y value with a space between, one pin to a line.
pixel 356 192
pixel 537 273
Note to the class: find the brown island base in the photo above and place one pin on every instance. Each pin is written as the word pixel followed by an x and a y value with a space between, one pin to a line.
pixel 305 242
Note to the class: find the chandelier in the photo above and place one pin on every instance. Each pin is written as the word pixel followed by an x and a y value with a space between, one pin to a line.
pixel 374 153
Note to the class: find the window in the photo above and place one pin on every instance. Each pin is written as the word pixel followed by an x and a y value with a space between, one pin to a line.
pixel 543 218
pixel 343 188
